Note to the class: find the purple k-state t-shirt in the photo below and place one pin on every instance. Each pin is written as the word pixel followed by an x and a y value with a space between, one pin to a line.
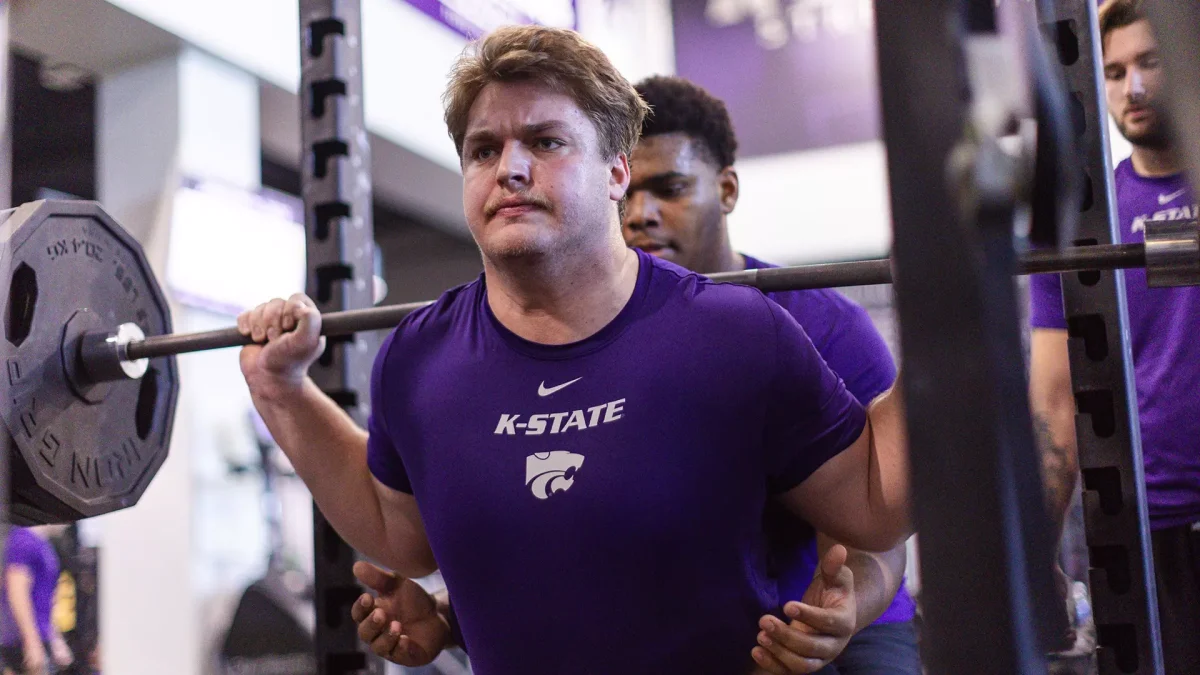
pixel 1163 326
pixel 847 339
pixel 37 556
pixel 597 507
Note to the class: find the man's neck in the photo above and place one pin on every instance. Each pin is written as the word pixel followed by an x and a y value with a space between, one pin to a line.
pixel 566 299
pixel 726 259
pixel 1151 162
pixel 731 261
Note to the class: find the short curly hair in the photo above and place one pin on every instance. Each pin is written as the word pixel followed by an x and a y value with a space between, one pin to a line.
pixel 680 106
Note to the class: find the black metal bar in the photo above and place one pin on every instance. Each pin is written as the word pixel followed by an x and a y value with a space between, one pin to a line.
pixel 5 112
pixel 336 188
pixel 961 354
pixel 1122 579
pixel 333 324
pixel 6 443
pixel 830 275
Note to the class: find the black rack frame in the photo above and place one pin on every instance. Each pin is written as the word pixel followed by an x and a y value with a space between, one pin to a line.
pixel 340 244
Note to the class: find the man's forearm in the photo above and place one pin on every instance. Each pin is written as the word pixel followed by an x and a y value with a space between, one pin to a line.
pixel 329 453
pixel 21 602
pixel 1052 400
pixel 875 582
pixel 1060 466
pixel 877 578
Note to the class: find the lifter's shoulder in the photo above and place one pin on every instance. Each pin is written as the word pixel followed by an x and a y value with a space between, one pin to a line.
pixel 428 328
pixel 733 310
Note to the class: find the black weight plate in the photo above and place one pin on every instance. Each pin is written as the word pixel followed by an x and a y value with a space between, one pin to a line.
pixel 81 451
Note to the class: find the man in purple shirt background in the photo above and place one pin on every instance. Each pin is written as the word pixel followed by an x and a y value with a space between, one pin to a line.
pixel 683 187
pixel 29 642
pixel 1163 324
pixel 584 439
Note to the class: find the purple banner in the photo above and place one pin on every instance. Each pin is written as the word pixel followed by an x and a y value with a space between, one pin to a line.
pixel 795 74
pixel 473 18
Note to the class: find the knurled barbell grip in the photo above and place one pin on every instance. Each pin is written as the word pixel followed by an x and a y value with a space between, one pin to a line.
pixel 333 324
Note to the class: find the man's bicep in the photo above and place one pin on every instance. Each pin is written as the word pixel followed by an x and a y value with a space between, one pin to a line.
pixel 405 532
pixel 834 499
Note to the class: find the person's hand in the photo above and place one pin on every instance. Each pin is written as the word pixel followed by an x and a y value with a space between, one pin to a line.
pixel 35 657
pixel 822 622
pixel 291 330
pixel 61 652
pixel 402 623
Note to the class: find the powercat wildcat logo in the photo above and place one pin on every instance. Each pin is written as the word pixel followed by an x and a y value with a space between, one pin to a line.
pixel 548 473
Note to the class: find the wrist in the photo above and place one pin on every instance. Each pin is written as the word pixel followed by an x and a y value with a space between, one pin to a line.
pixel 277 389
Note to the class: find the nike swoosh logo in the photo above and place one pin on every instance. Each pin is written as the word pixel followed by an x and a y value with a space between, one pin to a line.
pixel 543 391
pixel 1163 200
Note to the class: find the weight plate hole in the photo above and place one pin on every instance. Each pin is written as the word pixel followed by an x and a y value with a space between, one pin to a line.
pixel 147 403
pixel 22 299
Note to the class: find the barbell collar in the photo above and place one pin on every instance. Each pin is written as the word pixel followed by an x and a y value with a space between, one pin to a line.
pixel 105 355
pixel 1172 253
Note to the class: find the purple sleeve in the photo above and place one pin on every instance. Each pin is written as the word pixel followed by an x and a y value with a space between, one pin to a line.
pixel 382 457
pixel 1046 302
pixel 858 354
pixel 21 549
pixel 811 416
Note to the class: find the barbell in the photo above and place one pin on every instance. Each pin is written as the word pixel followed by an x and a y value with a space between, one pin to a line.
pixel 89 357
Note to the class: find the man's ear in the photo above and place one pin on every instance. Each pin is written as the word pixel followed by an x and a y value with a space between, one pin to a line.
pixel 618 177
pixel 728 188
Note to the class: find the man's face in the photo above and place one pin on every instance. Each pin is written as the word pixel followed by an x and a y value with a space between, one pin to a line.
pixel 1133 80
pixel 534 179
pixel 677 202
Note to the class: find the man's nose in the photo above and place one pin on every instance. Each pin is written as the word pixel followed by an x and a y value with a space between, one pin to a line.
pixel 512 171
pixel 641 211
pixel 1135 85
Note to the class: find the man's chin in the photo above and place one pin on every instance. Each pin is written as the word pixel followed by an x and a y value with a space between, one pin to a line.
pixel 1146 135
pixel 514 246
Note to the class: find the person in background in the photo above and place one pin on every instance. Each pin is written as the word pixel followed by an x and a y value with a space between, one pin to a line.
pixel 1163 323
pixel 682 189
pixel 29 642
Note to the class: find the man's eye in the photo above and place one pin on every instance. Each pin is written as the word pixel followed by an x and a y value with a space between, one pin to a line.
pixel 484 154
pixel 549 144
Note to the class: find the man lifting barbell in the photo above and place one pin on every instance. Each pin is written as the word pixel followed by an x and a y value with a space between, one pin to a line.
pixel 572 466
pixel 682 187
